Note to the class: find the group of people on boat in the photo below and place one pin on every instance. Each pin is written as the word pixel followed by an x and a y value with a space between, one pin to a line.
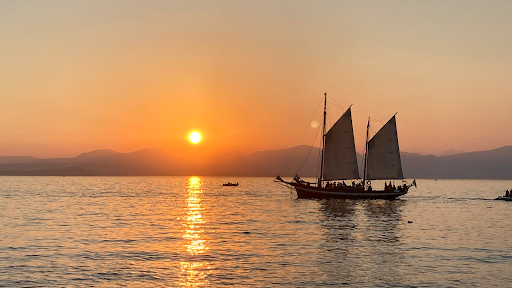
pixel 391 186
pixel 508 194
pixel 343 184
pixel 387 186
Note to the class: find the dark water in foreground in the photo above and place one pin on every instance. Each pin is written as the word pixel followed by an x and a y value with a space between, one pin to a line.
pixel 191 231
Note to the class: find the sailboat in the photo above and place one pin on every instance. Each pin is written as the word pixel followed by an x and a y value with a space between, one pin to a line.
pixel 339 163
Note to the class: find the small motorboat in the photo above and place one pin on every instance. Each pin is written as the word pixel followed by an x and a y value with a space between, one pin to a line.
pixel 230 184
pixel 506 197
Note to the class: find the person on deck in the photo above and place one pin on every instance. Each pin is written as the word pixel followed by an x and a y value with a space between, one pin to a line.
pixel 507 194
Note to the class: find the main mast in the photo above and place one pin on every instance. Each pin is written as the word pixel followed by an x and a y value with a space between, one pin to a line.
pixel 323 143
pixel 366 153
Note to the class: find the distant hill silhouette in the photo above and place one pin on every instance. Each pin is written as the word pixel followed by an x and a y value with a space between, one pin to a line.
pixel 451 152
pixel 491 164
pixel 69 171
pixel 17 159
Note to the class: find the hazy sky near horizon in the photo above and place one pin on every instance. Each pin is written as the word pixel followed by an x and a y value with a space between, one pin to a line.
pixel 249 75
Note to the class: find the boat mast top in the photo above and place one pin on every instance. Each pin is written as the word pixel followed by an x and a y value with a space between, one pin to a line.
pixel 366 153
pixel 323 143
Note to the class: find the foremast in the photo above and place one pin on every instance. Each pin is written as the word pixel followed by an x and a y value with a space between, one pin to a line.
pixel 366 153
pixel 323 143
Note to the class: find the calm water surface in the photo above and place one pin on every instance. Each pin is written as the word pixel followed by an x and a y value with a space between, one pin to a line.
pixel 193 232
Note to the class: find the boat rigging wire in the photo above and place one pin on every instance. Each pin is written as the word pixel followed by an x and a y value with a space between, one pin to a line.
pixel 301 138
pixel 338 105
pixel 309 152
pixel 381 121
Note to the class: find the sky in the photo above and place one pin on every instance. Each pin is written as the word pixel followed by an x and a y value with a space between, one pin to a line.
pixel 76 76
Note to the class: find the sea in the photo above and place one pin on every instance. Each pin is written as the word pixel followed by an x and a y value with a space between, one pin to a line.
pixel 193 232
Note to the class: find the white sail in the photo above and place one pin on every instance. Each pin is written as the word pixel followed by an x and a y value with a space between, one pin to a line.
pixel 383 154
pixel 340 161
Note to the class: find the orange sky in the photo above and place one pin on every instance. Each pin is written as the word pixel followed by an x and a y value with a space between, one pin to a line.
pixel 124 75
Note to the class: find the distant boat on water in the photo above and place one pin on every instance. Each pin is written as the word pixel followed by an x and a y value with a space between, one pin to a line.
pixel 230 184
pixel 506 197
pixel 339 163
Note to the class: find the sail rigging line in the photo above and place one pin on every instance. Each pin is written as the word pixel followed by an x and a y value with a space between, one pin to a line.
pixel 381 121
pixel 300 140
pixel 309 152
pixel 372 131
pixel 336 103
pixel 330 120
pixel 385 119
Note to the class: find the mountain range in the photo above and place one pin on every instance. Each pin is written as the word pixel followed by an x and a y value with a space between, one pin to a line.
pixel 302 160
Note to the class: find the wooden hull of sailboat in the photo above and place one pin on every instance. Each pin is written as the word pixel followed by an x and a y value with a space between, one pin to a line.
pixel 347 193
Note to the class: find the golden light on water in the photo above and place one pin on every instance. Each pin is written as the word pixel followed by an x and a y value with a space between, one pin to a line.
pixel 194 137
pixel 193 273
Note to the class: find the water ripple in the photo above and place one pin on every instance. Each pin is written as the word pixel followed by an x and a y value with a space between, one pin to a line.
pixel 193 232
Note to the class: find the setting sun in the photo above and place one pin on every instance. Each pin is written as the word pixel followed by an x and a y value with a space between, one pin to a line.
pixel 194 137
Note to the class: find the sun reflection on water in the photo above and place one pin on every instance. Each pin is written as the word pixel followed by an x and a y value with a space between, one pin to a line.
pixel 193 273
